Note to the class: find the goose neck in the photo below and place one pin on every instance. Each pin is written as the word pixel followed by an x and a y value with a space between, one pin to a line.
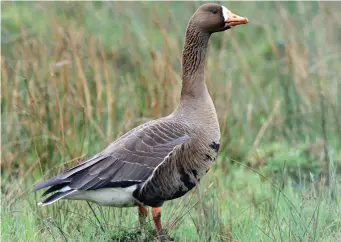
pixel 193 62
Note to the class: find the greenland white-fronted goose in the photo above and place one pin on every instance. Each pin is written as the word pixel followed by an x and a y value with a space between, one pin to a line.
pixel 162 159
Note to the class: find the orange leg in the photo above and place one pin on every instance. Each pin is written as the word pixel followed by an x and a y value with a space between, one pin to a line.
pixel 156 212
pixel 142 215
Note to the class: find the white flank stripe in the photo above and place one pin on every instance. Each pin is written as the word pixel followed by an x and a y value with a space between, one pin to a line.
pixel 151 176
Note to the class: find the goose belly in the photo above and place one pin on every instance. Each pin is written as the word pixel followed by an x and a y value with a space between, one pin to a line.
pixel 116 197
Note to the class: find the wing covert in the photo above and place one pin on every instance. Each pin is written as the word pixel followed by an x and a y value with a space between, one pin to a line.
pixel 129 160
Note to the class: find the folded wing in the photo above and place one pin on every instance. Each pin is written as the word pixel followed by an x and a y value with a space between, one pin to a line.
pixel 130 160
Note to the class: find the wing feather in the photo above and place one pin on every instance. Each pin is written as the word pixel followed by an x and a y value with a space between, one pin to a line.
pixel 131 159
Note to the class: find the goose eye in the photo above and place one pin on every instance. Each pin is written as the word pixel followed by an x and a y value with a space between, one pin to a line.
pixel 214 11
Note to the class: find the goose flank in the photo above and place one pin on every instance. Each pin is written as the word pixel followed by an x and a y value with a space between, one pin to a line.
pixel 162 159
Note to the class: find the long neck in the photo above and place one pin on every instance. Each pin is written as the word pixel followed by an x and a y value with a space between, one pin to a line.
pixel 193 62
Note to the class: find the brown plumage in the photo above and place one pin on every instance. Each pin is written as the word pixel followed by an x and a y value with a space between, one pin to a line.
pixel 162 159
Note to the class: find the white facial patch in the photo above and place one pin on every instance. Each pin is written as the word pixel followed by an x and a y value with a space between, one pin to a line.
pixel 226 13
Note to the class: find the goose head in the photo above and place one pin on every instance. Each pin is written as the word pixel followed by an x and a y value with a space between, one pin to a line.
pixel 211 18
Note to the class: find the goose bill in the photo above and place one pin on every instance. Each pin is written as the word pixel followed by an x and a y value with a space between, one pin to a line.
pixel 234 19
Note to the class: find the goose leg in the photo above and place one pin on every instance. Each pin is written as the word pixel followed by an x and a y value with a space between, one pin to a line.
pixel 156 212
pixel 142 215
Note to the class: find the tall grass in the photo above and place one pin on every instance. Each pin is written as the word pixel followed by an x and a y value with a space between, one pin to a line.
pixel 76 75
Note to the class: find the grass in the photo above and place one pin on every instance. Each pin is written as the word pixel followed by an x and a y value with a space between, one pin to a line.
pixel 83 73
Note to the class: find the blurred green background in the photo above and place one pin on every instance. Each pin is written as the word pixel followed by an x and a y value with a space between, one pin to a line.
pixel 77 75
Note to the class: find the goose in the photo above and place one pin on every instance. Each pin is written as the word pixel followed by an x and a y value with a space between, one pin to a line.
pixel 162 159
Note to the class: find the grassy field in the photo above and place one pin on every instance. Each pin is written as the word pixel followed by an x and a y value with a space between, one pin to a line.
pixel 77 75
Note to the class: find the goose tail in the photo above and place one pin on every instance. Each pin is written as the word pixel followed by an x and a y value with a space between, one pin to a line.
pixel 64 192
